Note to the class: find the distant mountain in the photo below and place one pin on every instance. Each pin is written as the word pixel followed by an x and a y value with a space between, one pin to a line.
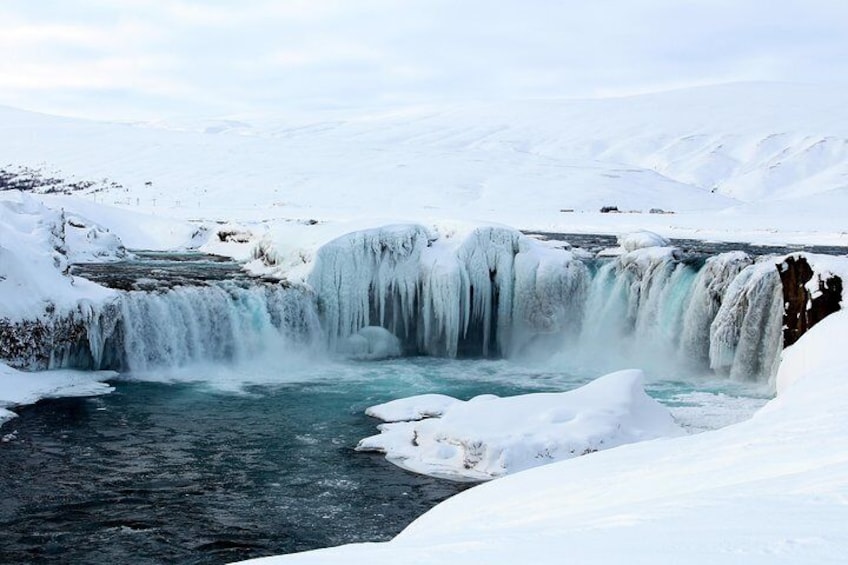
pixel 688 150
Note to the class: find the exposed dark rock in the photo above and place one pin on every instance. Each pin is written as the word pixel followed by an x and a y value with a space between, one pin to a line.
pixel 44 343
pixel 803 309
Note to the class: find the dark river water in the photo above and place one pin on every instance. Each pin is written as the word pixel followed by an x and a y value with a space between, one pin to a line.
pixel 216 471
pixel 191 473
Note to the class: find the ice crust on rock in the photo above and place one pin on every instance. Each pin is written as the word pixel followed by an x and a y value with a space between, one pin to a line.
pixel 488 437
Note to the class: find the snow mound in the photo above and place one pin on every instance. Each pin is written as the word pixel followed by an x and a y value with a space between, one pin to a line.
pixel 641 239
pixel 821 352
pixel 18 387
pixel 488 437
pixel 411 408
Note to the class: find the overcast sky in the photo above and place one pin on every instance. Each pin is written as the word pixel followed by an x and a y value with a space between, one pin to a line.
pixel 143 59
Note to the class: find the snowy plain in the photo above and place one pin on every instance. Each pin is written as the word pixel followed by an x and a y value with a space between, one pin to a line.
pixel 757 163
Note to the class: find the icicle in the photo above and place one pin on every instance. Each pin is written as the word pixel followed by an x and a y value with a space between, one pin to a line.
pixel 745 334
pixel 708 292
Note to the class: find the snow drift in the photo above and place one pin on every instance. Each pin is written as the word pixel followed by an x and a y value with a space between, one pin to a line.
pixel 488 437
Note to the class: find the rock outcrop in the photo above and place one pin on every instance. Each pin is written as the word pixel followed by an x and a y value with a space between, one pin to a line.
pixel 805 303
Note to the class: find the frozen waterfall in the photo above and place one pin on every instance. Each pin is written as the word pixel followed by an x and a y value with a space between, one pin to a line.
pixel 487 292
pixel 223 321
pixel 475 292
pixel 492 291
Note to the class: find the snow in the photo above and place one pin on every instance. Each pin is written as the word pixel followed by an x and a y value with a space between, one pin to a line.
pixel 489 437
pixel 747 162
pixel 36 243
pixel 817 353
pixel 412 408
pixel 18 387
pixel 768 490
pixel 641 239
pixel 755 163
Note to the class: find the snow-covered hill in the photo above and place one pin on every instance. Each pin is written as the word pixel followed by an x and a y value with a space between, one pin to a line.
pixel 766 152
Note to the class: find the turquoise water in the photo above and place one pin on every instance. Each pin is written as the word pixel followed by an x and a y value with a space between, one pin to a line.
pixel 213 464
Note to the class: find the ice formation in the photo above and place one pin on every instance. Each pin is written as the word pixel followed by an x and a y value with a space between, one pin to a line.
pixel 225 321
pixel 486 292
pixel 372 343
pixel 745 336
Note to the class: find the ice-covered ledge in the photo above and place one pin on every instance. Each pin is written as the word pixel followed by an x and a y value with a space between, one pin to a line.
pixel 489 437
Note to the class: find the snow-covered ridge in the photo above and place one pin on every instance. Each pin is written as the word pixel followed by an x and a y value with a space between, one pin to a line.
pixel 37 244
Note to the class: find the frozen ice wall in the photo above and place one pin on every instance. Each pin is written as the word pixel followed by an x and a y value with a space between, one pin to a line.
pixel 657 308
pixel 488 291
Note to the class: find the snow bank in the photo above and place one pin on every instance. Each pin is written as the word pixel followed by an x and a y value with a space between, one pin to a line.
pixel 768 490
pixel 36 246
pixel 18 387
pixel 820 350
pixel 488 437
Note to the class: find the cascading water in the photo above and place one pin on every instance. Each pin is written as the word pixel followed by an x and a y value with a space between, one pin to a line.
pixel 222 321
pixel 495 292
pixel 652 306
pixel 491 292
pixel 260 473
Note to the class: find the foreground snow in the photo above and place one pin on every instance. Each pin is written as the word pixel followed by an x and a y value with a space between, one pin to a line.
pixel 18 387
pixel 769 490
pixel 488 437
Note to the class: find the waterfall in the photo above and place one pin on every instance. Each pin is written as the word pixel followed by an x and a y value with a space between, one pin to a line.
pixel 488 291
pixel 223 321
pixel 494 292
pixel 651 306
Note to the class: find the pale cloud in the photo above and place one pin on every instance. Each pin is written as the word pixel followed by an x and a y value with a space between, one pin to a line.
pixel 149 58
